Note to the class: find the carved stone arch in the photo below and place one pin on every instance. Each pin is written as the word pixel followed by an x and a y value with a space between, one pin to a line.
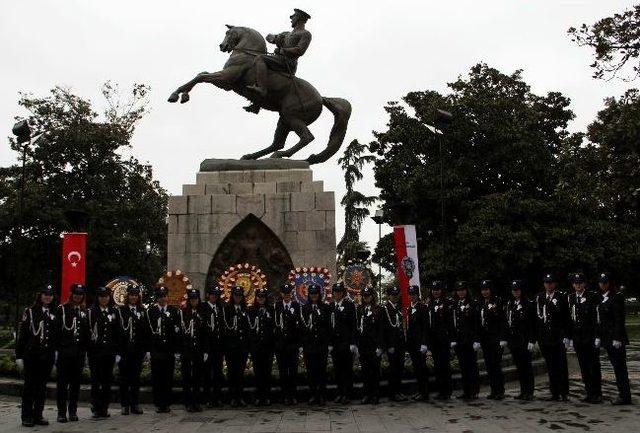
pixel 252 241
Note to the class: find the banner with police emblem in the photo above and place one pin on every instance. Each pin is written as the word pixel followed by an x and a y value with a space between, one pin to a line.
pixel 407 269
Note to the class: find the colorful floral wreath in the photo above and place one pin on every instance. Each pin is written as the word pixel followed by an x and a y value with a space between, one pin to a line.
pixel 244 275
pixel 302 278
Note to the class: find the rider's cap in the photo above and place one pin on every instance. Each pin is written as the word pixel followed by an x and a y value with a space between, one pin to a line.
pixel 133 289
pixel 462 285
pixel 577 278
pixel 47 290
pixel 338 287
pixel 193 294
pixel 486 284
pixel 237 291
pixel 604 277
pixel 77 289
pixel 262 293
pixel 286 288
pixel 393 291
pixel 313 289
pixel 302 13
pixel 161 291
pixel 516 285
pixel 367 291
pixel 103 291
pixel 549 278
pixel 214 290
pixel 414 290
pixel 437 285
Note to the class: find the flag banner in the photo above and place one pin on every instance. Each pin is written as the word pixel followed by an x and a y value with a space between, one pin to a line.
pixel 407 270
pixel 74 249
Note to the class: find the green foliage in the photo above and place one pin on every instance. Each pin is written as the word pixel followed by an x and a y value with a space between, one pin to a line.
pixel 77 161
pixel 616 42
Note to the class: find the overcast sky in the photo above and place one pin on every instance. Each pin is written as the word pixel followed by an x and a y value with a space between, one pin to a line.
pixel 368 52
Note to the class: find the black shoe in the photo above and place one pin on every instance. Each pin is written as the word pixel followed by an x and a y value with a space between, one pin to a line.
pixel 234 402
pixel 443 397
pixel 345 400
pixel 163 409
pixel 552 398
pixel 124 410
pixel 375 400
pixel 498 397
pixel 73 417
pixel 294 401
pixel 321 401
pixel 338 399
pixel 62 419
pixel 420 397
pixel 266 402
pixel 136 410
pixel 564 398
pixel 241 403
pixel 398 397
pixel 462 397
pixel 286 401
pixel 519 397
pixel 312 401
pixel 527 397
pixel 28 423
pixel 596 399
pixel 41 421
pixel 196 408
pixel 491 396
pixel 617 402
pixel 366 400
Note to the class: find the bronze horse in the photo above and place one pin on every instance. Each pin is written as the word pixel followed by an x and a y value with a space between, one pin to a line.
pixel 298 102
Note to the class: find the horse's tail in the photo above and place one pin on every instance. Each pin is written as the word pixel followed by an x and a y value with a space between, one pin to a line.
pixel 341 109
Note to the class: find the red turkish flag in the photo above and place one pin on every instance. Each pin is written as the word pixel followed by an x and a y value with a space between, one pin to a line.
pixel 74 251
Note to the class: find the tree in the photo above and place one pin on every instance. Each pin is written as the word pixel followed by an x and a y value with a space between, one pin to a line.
pixel 616 41
pixel 76 162
pixel 354 203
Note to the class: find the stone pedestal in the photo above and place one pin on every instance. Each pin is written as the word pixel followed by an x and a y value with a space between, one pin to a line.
pixel 233 213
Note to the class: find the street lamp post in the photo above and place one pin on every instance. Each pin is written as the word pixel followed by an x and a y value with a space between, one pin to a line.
pixel 378 217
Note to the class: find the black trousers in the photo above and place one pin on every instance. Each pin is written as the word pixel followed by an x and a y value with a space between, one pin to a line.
pixel 101 365
pixel 287 358
pixel 618 359
pixel 396 368
pixel 492 353
pixel 316 363
pixel 69 369
pixel 419 363
pixel 37 369
pixel 236 365
pixel 191 367
pixel 129 370
pixel 343 369
pixel 522 360
pixel 468 362
pixel 213 376
pixel 442 367
pixel 589 361
pixel 262 367
pixel 370 370
pixel 162 369
pixel 555 356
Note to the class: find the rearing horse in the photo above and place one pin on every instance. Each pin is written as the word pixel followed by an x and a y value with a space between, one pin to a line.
pixel 297 102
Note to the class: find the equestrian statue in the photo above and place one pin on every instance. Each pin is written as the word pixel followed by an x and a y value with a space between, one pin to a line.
pixel 268 81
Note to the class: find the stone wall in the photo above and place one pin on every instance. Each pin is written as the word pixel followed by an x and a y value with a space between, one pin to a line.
pixel 294 206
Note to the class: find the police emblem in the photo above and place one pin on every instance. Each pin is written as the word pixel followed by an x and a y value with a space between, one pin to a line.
pixel 244 275
pixel 356 276
pixel 301 278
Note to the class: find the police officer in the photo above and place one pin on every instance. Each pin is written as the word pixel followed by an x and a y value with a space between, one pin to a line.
pixel 583 306
pixel 466 341
pixel 287 312
pixel 393 341
pixel 164 330
pixel 417 341
pixel 212 312
pixel 343 341
pixel 369 339
pixel 520 321
pixel 236 321
pixel 35 348
pixel 262 324
pixel 492 337
pixel 440 338
pixel 612 335
pixel 552 315
pixel 316 333
pixel 134 332
pixel 105 336
pixel 72 344
pixel 193 350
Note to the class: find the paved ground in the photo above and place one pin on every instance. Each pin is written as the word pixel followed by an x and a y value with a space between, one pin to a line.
pixel 482 416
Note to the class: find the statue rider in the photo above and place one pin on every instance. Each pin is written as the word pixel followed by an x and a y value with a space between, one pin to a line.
pixel 290 46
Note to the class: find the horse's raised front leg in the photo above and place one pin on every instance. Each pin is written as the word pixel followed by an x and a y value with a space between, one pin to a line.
pixel 279 138
pixel 182 92
pixel 306 137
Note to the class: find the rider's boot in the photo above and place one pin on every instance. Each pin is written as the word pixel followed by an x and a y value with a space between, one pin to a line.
pixel 252 108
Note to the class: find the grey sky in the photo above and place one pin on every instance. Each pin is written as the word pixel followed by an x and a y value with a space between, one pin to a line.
pixel 369 52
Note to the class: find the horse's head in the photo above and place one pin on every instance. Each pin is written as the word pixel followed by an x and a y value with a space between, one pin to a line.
pixel 242 38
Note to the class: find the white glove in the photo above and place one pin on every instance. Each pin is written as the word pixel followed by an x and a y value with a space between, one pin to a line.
pixel 391 350
pixel 55 357
pixel 20 364
pixel 503 344
pixel 205 357
pixel 616 344
pixel 423 349
pixel 118 358
pixel 530 347
pixel 330 349
pixel 476 346
pixel 378 353
pixel 453 344
pixel 354 349
pixel 567 343
pixel 177 356
pixel 300 351
pixel 147 356
pixel 597 343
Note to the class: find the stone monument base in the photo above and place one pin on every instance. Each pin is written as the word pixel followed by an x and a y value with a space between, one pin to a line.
pixel 270 213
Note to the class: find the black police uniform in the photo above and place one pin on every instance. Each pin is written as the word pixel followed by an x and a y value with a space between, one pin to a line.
pixel 237 336
pixel 35 345
pixel 105 337
pixel 72 345
pixel 134 344
pixel 262 328
pixel 610 329
pixel 213 378
pixel 520 326
pixel 192 350
pixel 417 343
pixel 288 342
pixel 369 339
pixel 492 333
pixel 583 314
pixel 316 334
pixel 465 334
pixel 439 337
pixel 552 326
pixel 343 340
pixel 164 343
pixel 394 342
